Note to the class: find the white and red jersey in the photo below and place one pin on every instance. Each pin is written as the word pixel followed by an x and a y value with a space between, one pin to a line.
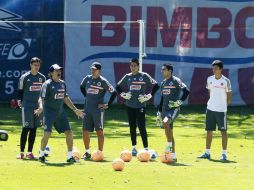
pixel 218 93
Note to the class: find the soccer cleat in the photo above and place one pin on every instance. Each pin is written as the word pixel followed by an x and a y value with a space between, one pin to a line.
pixel 175 159
pixel 205 156
pixel 223 157
pixel 87 156
pixel 168 149
pixel 42 159
pixel 21 156
pixel 31 156
pixel 71 160
pixel 134 152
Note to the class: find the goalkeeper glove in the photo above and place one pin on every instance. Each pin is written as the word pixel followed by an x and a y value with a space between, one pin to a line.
pixel 126 96
pixel 144 98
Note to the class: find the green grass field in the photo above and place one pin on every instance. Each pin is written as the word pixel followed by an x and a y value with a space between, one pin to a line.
pixel 187 173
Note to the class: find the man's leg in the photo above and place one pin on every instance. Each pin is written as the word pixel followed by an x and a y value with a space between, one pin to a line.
pixel 86 139
pixel 69 140
pixel 31 139
pixel 142 126
pixel 23 139
pixel 100 135
pixel 133 125
pixel 224 135
pixel 44 142
pixel 169 136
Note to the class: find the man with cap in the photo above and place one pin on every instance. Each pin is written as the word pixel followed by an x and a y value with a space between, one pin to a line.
pixel 94 88
pixel 135 100
pixel 220 94
pixel 29 88
pixel 171 100
pixel 53 96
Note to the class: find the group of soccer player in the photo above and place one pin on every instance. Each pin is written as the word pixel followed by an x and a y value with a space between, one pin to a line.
pixel 40 98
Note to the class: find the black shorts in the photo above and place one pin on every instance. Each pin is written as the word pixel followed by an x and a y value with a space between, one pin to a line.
pixel 93 120
pixel 214 118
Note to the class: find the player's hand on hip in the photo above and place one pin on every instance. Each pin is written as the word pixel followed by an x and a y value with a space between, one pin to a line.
pixel 79 113
pixel 38 111
pixel 103 106
pixel 144 98
pixel 126 96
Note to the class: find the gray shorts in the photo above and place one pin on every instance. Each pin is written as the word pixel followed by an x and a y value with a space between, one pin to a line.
pixel 29 120
pixel 93 120
pixel 214 118
pixel 170 115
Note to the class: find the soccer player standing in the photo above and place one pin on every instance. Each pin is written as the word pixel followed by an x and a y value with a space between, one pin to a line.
pixel 171 90
pixel 136 98
pixel 53 96
pixel 94 88
pixel 29 88
pixel 220 94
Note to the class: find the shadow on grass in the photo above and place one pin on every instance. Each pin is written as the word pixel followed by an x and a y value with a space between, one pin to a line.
pixel 63 164
pixel 177 164
pixel 103 161
pixel 225 162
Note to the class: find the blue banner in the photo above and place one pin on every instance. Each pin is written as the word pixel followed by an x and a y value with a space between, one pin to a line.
pixel 19 42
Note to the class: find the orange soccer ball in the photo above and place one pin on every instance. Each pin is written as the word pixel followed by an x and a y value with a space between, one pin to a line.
pixel 97 156
pixel 143 156
pixel 118 164
pixel 167 158
pixel 76 154
pixel 126 155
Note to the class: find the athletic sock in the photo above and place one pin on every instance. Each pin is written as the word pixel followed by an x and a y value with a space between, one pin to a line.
pixel 134 147
pixel 88 151
pixel 170 144
pixel 69 155
pixel 207 151
pixel 224 152
pixel 42 153
pixel 174 155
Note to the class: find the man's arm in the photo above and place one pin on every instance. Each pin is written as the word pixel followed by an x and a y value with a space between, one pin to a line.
pixel 229 97
pixel 70 104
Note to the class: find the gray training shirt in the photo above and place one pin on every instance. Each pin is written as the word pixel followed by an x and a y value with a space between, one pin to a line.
pixel 95 91
pixel 137 85
pixel 31 86
pixel 171 90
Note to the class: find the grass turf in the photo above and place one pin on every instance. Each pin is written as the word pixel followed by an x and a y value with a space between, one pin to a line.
pixel 188 173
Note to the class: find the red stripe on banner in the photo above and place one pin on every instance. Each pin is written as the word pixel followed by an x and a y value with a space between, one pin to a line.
pixel 246 82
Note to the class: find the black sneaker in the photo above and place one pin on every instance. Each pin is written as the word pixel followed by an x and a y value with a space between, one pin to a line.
pixel 71 160
pixel 87 156
pixel 42 159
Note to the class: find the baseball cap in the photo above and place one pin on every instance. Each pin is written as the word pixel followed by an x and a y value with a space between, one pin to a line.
pixel 54 67
pixel 96 65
